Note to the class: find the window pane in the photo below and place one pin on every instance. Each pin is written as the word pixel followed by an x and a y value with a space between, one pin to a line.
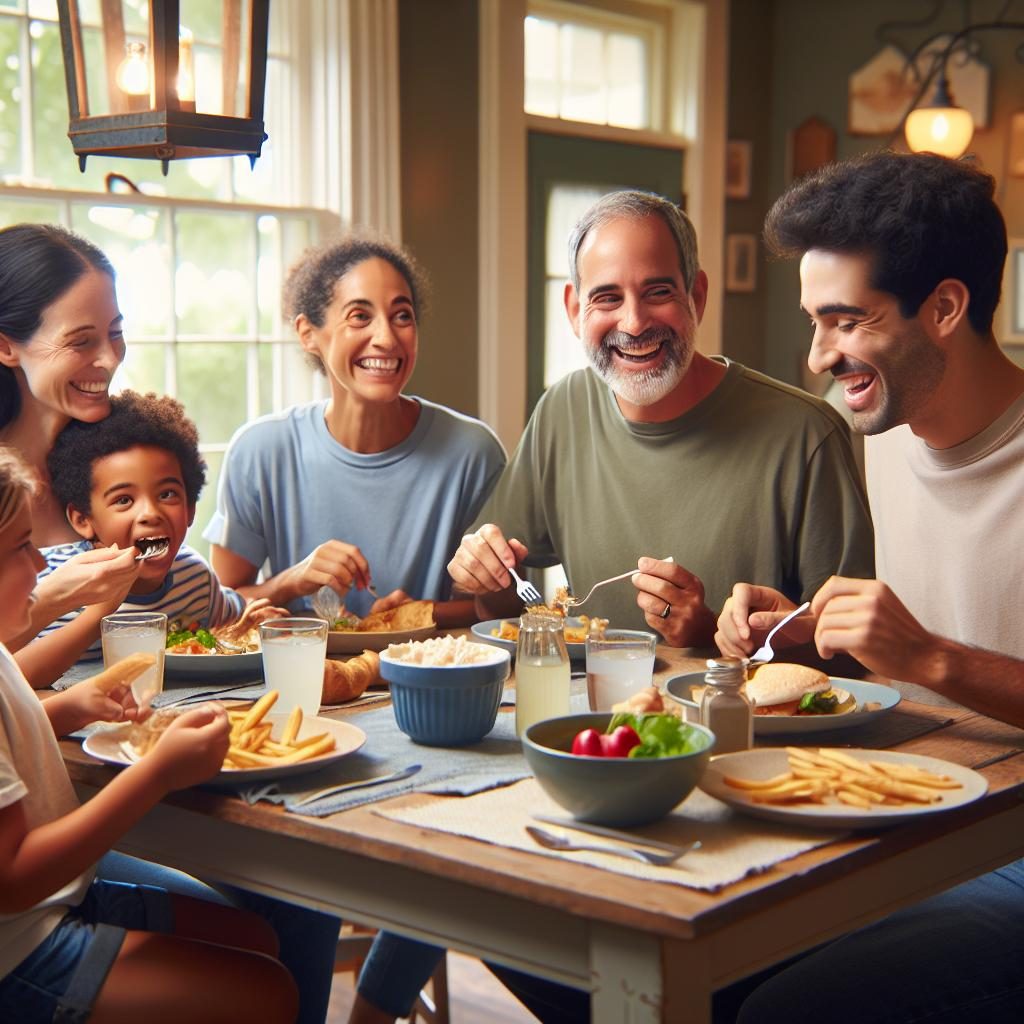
pixel 563 351
pixel 143 366
pixel 269 275
pixel 10 98
pixel 566 204
pixel 265 182
pixel 54 159
pixel 583 89
pixel 207 504
pixel 541 53
pixel 627 93
pixel 135 239
pixel 214 293
pixel 211 383
pixel 265 360
pixel 27 211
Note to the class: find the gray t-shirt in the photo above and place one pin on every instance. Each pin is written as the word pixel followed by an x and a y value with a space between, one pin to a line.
pixel 287 486
pixel 756 483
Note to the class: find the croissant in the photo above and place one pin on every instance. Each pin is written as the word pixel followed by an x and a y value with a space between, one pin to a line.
pixel 346 680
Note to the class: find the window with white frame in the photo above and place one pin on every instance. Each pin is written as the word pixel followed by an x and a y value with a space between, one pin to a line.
pixel 200 255
pixel 592 65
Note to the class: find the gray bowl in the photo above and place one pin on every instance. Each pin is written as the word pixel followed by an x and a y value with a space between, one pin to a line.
pixel 619 791
pixel 446 705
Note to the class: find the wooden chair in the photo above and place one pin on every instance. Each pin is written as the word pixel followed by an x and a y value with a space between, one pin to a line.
pixel 353 947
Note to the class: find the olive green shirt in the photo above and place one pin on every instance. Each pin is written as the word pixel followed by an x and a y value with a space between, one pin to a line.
pixel 756 483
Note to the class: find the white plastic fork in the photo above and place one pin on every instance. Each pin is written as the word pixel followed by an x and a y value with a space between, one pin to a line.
pixel 157 551
pixel 575 602
pixel 764 652
pixel 527 591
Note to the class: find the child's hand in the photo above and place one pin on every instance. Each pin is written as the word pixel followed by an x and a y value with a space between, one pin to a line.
pixel 83 703
pixel 193 747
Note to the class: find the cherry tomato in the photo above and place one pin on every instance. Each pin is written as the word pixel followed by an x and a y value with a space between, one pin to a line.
pixel 621 741
pixel 589 743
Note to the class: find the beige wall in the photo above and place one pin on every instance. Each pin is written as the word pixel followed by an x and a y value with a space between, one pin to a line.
pixel 439 142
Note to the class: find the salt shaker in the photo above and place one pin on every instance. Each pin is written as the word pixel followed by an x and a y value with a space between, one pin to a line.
pixel 542 670
pixel 724 707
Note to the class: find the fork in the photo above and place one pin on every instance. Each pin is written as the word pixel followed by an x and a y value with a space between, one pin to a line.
pixel 527 592
pixel 344 787
pixel 575 602
pixel 553 842
pixel 764 652
pixel 157 551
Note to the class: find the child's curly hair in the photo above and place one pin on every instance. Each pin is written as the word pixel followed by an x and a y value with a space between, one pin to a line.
pixel 135 420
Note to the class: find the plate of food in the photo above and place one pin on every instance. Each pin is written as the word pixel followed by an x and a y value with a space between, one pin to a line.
pixel 792 699
pixel 413 620
pixel 847 788
pixel 198 655
pixel 505 633
pixel 276 745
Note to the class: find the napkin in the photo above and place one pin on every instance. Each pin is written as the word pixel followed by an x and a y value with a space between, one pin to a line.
pixel 732 846
pixel 497 760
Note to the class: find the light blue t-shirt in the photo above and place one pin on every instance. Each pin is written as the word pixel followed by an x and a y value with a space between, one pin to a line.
pixel 288 486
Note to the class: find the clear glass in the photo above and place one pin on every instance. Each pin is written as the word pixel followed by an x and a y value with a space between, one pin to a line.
pixel 294 652
pixel 124 633
pixel 619 664
pixel 725 708
pixel 542 670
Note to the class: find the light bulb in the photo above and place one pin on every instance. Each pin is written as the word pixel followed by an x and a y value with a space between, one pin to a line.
pixel 943 130
pixel 186 68
pixel 133 72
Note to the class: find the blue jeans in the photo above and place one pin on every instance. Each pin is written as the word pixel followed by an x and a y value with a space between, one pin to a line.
pixel 308 938
pixel 395 972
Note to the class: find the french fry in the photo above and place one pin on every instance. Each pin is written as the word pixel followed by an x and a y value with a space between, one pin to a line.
pixel 291 729
pixel 756 783
pixel 259 709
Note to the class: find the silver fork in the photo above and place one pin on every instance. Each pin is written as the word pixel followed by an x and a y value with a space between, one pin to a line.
pixel 158 551
pixel 764 652
pixel 575 602
pixel 526 591
pixel 553 842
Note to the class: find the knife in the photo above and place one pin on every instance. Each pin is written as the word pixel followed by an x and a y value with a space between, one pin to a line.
pixel 611 833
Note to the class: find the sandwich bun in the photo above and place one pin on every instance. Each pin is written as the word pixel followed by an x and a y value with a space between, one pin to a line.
pixel 777 689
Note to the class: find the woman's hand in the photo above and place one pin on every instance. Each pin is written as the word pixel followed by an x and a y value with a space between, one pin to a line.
pixel 192 748
pixel 100 576
pixel 333 564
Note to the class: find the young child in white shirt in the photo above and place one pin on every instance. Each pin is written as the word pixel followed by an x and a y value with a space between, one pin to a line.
pixel 74 947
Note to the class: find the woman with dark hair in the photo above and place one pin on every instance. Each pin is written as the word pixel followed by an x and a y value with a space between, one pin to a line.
pixel 60 343
pixel 369 484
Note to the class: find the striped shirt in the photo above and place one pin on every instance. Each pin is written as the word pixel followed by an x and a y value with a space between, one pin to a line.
pixel 190 592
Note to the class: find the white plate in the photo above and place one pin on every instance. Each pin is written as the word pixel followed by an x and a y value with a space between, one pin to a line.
pixel 356 643
pixel 213 668
pixel 763 764
pixel 109 745
pixel 783 725
pixel 483 631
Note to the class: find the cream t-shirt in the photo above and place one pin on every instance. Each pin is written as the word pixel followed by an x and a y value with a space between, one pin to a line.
pixel 949 530
pixel 32 771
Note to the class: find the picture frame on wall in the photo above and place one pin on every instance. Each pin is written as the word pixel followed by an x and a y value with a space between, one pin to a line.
pixel 1012 304
pixel 738 159
pixel 741 263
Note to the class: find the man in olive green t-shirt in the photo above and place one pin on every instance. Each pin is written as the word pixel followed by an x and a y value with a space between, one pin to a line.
pixel 696 470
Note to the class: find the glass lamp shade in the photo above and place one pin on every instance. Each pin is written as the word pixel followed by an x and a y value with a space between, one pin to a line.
pixel 943 130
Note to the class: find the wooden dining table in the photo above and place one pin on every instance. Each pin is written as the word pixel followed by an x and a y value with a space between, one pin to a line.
pixel 647 951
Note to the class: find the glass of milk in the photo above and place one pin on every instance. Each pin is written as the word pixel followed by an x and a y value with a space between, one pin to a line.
pixel 125 633
pixel 294 652
pixel 619 664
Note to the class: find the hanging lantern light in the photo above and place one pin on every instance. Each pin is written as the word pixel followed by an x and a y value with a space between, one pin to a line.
pixel 147 100
pixel 942 127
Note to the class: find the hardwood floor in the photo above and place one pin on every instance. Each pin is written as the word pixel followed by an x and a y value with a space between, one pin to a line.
pixel 475 995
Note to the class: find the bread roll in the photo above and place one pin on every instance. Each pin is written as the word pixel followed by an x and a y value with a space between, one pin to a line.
pixel 346 680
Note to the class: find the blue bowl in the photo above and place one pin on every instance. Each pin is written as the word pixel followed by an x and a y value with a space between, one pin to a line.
pixel 446 705
pixel 617 791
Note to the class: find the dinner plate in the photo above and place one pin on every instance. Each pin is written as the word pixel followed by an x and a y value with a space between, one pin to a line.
pixel 763 764
pixel 867 695
pixel 213 668
pixel 486 630
pixel 355 643
pixel 110 745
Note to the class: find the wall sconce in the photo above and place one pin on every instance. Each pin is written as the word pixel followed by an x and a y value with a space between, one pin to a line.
pixel 142 101
pixel 942 127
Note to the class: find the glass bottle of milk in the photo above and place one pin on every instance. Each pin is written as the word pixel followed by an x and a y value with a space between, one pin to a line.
pixel 542 670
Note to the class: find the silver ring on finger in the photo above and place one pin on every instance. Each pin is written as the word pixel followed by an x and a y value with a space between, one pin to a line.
pixel 667 612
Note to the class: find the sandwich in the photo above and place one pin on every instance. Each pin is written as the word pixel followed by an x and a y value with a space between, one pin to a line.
pixel 783 689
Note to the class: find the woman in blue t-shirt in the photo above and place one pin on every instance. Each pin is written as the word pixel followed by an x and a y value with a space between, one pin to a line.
pixel 370 487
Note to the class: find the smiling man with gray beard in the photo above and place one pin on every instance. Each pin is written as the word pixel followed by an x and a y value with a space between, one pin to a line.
pixel 691 468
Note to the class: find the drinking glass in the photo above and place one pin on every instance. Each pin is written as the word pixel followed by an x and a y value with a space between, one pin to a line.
pixel 124 633
pixel 294 652
pixel 619 664
pixel 542 670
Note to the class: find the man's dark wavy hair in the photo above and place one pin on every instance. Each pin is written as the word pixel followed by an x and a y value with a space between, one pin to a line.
pixel 919 218
pixel 153 421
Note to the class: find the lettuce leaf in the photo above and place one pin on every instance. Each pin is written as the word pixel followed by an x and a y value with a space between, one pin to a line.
pixel 660 735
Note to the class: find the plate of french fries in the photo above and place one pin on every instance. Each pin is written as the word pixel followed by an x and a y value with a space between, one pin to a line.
pixel 840 788
pixel 264 745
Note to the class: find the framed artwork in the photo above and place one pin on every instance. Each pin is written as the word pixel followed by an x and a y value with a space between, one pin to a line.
pixel 738 157
pixel 740 263
pixel 1013 295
